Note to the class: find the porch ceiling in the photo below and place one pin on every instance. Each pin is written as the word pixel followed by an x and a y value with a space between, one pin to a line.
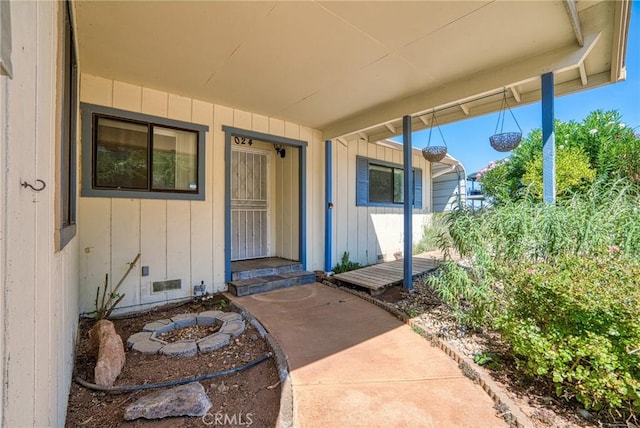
pixel 346 67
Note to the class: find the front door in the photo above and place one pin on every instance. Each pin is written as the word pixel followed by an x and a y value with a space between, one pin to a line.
pixel 249 204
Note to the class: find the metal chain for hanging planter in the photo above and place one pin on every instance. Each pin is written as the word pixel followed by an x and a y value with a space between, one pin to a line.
pixel 505 141
pixel 434 153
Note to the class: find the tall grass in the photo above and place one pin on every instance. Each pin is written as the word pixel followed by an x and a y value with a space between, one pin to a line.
pixel 603 219
pixel 607 215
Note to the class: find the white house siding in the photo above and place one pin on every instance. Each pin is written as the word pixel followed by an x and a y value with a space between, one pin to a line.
pixel 371 234
pixel 287 200
pixel 185 239
pixel 39 284
pixel 449 189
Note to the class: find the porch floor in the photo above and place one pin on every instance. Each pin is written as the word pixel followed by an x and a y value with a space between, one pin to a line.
pixel 378 277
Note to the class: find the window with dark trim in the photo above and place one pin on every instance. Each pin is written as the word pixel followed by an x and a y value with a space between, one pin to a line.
pixel 380 183
pixel 140 156
pixel 68 175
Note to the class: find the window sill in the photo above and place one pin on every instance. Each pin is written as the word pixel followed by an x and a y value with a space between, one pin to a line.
pixel 138 194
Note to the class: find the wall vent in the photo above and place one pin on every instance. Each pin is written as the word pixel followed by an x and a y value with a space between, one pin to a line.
pixel 169 285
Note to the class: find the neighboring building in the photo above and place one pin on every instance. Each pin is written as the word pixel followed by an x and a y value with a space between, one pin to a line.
pixel 449 185
pixel 368 221
pixel 475 196
pixel 204 133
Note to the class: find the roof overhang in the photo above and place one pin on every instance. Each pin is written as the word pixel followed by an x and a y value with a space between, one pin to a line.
pixel 394 145
pixel 356 67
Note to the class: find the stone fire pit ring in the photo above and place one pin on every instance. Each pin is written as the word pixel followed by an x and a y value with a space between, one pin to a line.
pixel 147 341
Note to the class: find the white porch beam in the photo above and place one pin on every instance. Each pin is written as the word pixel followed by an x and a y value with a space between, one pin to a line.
pixel 562 59
pixel 443 172
pixel 583 74
pixel 572 11
pixel 342 141
pixel 363 136
pixel 622 12
pixel 516 94
pixel 424 120
pixel 390 127
pixel 533 96
pixel 465 109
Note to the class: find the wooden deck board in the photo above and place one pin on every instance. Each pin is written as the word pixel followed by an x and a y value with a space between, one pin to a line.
pixel 380 276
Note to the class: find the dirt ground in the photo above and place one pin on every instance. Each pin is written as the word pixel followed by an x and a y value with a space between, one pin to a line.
pixel 249 396
pixel 537 399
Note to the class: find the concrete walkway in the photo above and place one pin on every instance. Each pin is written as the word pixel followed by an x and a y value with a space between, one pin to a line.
pixel 355 365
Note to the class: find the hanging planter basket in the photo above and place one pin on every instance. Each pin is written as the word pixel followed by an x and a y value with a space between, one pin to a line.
pixel 434 153
pixel 505 141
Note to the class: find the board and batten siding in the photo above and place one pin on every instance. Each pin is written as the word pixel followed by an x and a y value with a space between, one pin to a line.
pixel 371 234
pixel 449 189
pixel 39 296
pixel 185 239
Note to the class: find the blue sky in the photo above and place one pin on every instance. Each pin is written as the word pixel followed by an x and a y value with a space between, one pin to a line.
pixel 468 140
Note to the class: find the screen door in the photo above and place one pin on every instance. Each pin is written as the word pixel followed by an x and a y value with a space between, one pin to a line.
pixel 249 204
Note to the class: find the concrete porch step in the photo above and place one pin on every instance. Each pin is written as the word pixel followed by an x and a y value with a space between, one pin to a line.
pixel 262 284
pixel 262 271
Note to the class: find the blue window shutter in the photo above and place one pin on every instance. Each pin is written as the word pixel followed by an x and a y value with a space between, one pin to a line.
pixel 362 181
pixel 417 188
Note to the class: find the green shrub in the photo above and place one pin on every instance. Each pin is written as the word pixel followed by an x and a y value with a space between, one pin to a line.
pixel 573 172
pixel 575 321
pixel 345 264
pixel 471 301
pixel 561 283
pixel 608 147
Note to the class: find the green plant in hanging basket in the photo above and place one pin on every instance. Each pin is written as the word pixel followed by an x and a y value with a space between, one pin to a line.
pixel 434 153
pixel 505 141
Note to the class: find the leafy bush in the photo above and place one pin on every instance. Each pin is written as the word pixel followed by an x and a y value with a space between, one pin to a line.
pixel 345 264
pixel 470 300
pixel 575 322
pixel 562 284
pixel 573 173
pixel 496 183
pixel 608 146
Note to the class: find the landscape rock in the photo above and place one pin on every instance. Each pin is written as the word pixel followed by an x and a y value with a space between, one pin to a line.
pixel 183 400
pixel 109 350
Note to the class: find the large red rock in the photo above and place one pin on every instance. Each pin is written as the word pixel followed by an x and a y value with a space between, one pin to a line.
pixel 109 350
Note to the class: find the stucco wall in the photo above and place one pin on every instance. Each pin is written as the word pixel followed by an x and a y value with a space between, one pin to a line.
pixel 185 239
pixel 39 284
pixel 369 233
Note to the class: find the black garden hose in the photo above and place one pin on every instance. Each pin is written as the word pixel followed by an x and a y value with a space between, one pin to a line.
pixel 129 388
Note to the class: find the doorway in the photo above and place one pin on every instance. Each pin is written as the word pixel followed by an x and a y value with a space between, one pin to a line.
pixel 250 205
pixel 264 221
